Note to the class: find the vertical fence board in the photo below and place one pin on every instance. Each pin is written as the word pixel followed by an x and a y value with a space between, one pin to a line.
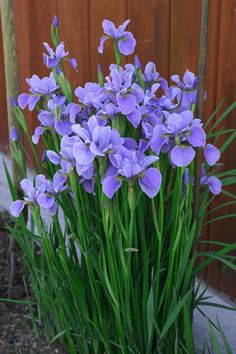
pixel 33 20
pixel 185 35
pixel 226 87
pixel 74 31
pixel 151 27
pixel 3 110
pixel 113 10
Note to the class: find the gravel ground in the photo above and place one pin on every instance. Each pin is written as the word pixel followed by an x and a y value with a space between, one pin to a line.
pixel 17 335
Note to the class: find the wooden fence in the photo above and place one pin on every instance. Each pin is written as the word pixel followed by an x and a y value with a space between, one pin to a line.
pixel 167 32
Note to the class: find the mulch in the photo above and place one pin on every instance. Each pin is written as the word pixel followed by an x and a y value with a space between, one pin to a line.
pixel 17 335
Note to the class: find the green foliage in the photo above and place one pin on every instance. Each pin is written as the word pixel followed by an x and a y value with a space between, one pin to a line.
pixel 118 277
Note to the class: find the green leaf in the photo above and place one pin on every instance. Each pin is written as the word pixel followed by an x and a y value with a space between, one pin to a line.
pixel 188 333
pixel 215 345
pixel 214 113
pixel 228 142
pixel 10 183
pixel 223 115
pixel 174 314
pixel 226 343
pixel 150 313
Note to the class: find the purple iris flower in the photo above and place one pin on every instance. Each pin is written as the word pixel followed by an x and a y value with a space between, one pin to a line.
pixel 212 182
pixel 65 158
pixel 124 39
pixel 212 154
pixel 52 59
pixel 126 94
pixel 150 72
pixel 49 189
pixel 130 164
pixel 13 135
pixel 187 90
pixel 94 140
pixel 55 118
pixel 91 94
pixel 42 194
pixel 76 112
pixel 178 136
pixel 108 110
pixel 31 195
pixel 38 88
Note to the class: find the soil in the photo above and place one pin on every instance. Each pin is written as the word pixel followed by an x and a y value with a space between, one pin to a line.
pixel 17 335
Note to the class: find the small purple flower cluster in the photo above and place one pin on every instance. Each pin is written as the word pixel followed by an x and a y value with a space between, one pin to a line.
pixel 42 194
pixel 123 125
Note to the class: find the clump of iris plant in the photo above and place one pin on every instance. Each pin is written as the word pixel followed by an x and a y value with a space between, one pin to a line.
pixel 160 117
pixel 118 163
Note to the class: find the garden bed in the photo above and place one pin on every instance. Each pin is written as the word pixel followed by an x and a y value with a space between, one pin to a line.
pixel 16 331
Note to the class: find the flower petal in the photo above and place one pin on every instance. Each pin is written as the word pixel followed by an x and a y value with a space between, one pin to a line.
pixel 82 154
pixel 127 43
pixel 23 100
pixel 110 185
pixel 197 136
pixel 175 122
pixel 134 117
pixel 126 103
pixel 63 127
pixel 214 185
pixel 109 28
pixel 45 201
pixel 182 155
pixel 151 182
pixel 53 157
pixel 16 208
pixel 212 154
pixel 32 101
pixel 101 45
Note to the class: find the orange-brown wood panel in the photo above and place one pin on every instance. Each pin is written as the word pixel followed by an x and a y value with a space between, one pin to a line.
pixel 114 10
pixel 150 23
pixel 185 35
pixel 224 230
pixel 211 85
pixel 3 110
pixel 185 38
pixel 33 21
pixel 74 31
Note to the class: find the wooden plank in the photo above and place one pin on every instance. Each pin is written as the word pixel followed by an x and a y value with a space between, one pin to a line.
pixel 226 87
pixel 113 10
pixel 33 23
pixel 3 110
pixel 185 35
pixel 151 27
pixel 211 84
pixel 74 31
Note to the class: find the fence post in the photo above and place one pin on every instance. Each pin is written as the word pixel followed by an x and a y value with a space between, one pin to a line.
pixel 11 76
pixel 12 89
